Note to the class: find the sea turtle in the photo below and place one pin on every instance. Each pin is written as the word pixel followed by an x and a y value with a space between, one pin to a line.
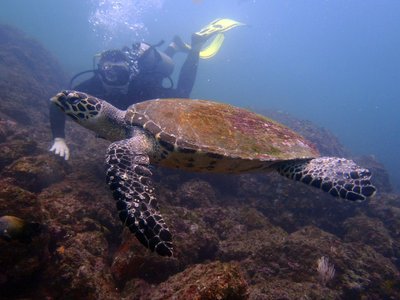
pixel 199 135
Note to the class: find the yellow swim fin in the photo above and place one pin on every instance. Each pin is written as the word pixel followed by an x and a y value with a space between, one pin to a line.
pixel 219 26
pixel 213 48
pixel 216 27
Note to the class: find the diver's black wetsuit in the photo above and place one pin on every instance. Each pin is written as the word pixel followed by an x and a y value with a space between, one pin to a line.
pixel 140 89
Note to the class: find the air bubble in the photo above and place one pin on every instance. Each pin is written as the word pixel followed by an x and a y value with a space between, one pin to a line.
pixel 121 18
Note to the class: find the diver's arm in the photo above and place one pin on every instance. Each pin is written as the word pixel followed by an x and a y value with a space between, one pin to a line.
pixel 57 123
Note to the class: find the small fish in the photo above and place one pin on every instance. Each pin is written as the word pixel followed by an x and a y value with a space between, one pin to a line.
pixel 13 228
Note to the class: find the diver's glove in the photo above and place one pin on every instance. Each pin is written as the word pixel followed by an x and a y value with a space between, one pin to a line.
pixel 60 148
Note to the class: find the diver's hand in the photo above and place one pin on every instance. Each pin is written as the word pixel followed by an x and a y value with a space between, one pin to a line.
pixel 60 148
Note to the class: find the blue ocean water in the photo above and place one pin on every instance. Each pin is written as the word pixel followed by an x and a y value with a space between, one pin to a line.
pixel 334 62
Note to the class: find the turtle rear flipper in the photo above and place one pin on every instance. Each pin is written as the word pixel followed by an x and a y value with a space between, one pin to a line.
pixel 128 176
pixel 339 177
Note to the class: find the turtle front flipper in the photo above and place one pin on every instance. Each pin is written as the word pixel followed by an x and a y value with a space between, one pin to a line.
pixel 128 176
pixel 339 177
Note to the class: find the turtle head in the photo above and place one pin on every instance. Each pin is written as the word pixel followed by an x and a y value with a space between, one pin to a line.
pixel 79 106
pixel 93 113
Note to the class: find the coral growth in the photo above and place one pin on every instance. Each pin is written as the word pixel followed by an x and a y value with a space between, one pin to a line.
pixel 326 270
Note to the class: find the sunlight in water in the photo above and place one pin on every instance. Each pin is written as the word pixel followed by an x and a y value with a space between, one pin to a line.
pixel 113 18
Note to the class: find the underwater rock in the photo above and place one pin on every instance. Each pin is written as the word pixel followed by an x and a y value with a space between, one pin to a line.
pixel 194 242
pixel 359 270
pixel 13 150
pixel 80 206
pixel 292 205
pixel 283 289
pixel 21 260
pixel 36 172
pixel 29 75
pixel 84 225
pixel 15 142
pixel 23 255
pixel 370 232
pixel 132 261
pixel 20 265
pixel 210 281
pixel 7 129
pixel 386 207
pixel 223 219
pixel 248 244
pixel 242 231
pixel 195 193
pixel 17 201
pixel 79 269
pixel 249 185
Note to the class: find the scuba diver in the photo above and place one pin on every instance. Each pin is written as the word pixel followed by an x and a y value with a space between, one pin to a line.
pixel 134 74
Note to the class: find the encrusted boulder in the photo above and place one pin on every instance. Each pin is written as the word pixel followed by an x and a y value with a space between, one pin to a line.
pixel 16 149
pixel 79 269
pixel 36 172
pixel 21 261
pixel 359 270
pixel 17 201
pixel 195 193
pixel 21 264
pixel 29 75
pixel 131 261
pixel 7 129
pixel 369 231
pixel 210 281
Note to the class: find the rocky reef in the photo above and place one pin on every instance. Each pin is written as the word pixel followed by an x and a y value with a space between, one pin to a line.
pixel 249 236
